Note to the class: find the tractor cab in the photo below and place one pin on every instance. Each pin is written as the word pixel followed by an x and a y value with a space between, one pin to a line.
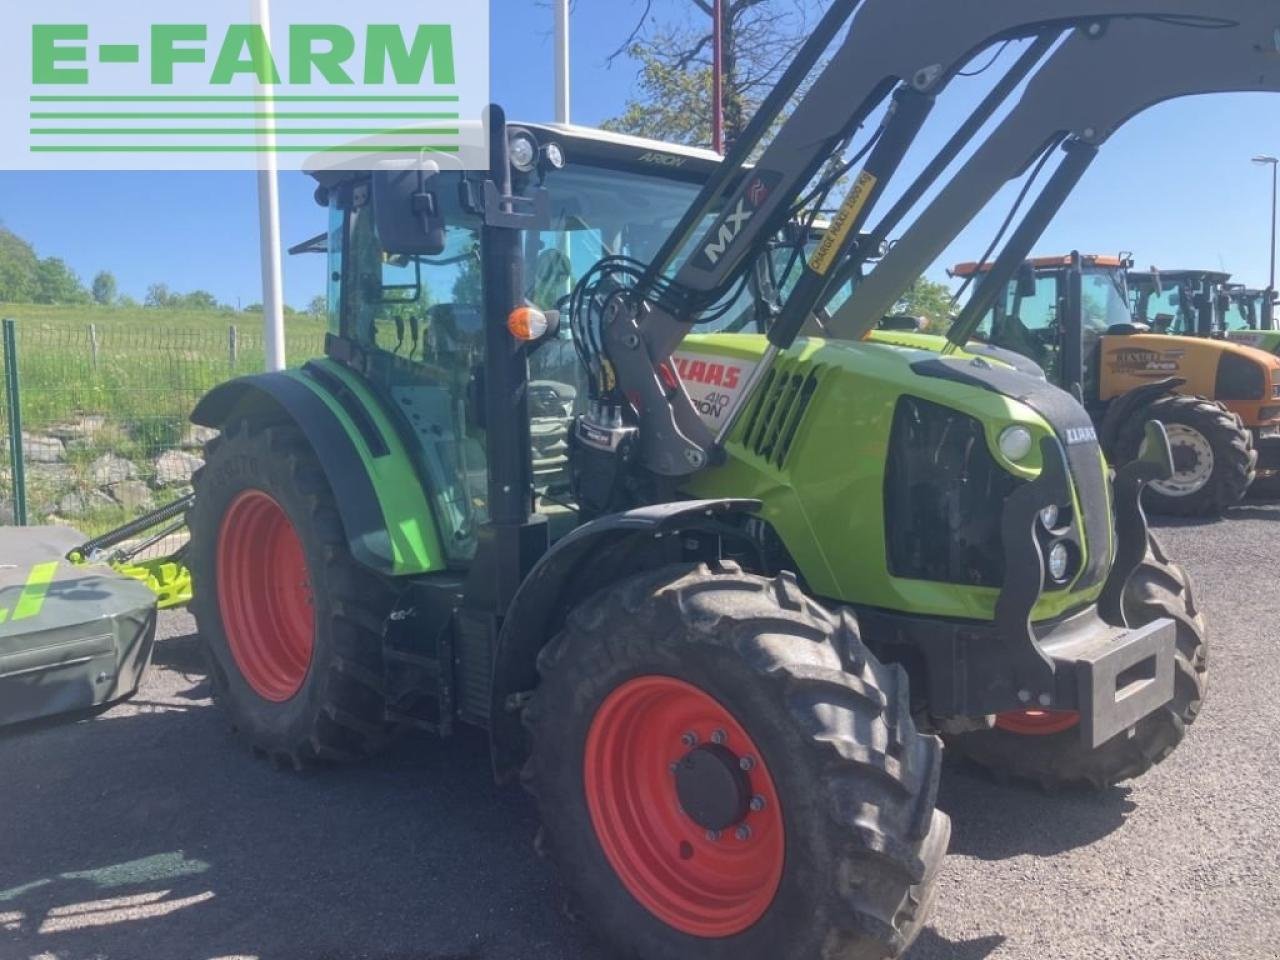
pixel 1251 320
pixel 414 323
pixel 1185 303
pixel 1056 313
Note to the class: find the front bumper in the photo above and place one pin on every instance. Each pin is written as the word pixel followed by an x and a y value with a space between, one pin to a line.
pixel 1267 443
pixel 1092 662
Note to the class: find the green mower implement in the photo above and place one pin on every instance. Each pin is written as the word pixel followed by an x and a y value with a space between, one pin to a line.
pixel 712 596
pixel 78 617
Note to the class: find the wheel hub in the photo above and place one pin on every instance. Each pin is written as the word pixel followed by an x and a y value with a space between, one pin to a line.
pixel 1193 462
pixel 714 790
pixel 684 806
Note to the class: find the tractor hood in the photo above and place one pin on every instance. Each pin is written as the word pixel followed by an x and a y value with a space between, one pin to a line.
pixel 833 420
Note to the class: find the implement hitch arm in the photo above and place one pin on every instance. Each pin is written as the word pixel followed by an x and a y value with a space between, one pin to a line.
pixel 1100 62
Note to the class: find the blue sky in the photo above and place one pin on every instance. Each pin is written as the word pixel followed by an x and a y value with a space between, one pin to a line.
pixel 1175 187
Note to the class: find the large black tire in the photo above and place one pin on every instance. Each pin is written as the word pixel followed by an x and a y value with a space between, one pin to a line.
pixel 1158 588
pixel 337 711
pixel 854 781
pixel 1200 430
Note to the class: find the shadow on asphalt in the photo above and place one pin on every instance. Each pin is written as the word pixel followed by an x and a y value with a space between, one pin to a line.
pixel 152 832
pixel 930 945
pixel 991 821
pixel 154 825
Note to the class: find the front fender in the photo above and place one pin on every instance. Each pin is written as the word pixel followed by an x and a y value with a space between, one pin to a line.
pixel 381 498
pixel 556 584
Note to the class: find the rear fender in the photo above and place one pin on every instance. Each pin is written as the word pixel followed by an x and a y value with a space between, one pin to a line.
pixel 1126 406
pixel 381 497
pixel 589 559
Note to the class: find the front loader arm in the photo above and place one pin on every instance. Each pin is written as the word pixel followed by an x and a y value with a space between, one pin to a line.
pixel 910 49
pixel 1098 80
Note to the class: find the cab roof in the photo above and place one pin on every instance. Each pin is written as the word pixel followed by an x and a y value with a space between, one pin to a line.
pixel 1045 263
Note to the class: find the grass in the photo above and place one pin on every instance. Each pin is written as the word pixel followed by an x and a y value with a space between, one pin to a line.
pixel 141 371
pixel 137 366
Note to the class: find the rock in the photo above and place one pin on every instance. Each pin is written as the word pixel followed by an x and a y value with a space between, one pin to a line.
pixel 36 449
pixel 175 467
pixel 133 495
pixel 50 474
pixel 109 469
pixel 6 514
pixel 75 505
pixel 197 436
pixel 81 428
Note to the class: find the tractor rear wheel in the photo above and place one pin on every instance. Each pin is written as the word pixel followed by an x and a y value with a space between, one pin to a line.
pixel 289 622
pixel 1044 747
pixel 1213 457
pixel 723 770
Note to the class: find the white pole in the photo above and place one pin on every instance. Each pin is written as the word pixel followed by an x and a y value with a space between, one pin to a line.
pixel 269 226
pixel 562 61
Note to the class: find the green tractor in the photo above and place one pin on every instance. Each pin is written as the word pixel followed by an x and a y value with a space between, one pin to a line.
pixel 1252 320
pixel 713 596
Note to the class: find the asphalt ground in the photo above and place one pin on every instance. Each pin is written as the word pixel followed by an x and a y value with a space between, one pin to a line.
pixel 151 833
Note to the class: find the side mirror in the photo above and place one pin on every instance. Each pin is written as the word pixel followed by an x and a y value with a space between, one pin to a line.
pixel 407 214
pixel 1026 281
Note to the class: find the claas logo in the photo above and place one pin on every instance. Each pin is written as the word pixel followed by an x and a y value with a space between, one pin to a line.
pixel 711 374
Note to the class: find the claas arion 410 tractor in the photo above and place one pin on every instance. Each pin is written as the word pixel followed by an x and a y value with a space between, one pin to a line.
pixel 719 638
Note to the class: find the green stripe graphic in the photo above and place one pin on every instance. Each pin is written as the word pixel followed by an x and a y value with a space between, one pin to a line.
pixel 32 599
pixel 246 148
pixel 243 116
pixel 226 98
pixel 246 131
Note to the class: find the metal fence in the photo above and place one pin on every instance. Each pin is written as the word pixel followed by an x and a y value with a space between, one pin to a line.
pixel 93 417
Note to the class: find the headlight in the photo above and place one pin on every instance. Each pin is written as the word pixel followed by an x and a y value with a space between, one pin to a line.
pixel 1059 562
pixel 1016 443
pixel 555 155
pixel 1049 517
pixel 524 153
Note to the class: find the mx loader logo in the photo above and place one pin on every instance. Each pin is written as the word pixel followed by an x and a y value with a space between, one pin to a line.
pixel 731 227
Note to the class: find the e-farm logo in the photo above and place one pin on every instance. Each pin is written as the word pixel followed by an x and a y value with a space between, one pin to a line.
pixel 163 85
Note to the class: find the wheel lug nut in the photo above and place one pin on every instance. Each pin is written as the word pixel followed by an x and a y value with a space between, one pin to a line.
pixel 746 763
pixel 690 739
pixel 757 804
pixel 743 833
pixel 713 836
pixel 719 737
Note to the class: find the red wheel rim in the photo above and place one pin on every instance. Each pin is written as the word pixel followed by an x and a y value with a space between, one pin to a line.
pixel 264 596
pixel 700 886
pixel 1037 723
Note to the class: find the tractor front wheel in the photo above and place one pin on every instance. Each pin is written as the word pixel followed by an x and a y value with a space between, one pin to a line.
pixel 1044 747
pixel 1214 461
pixel 289 622
pixel 723 770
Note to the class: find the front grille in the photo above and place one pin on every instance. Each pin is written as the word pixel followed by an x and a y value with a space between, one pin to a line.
pixel 944 498
pixel 776 416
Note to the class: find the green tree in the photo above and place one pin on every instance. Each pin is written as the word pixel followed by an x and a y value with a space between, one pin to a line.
pixel 18 268
pixel 319 306
pixel 57 283
pixel 930 301
pixel 197 300
pixel 104 288
pixel 674 103
pixel 159 295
